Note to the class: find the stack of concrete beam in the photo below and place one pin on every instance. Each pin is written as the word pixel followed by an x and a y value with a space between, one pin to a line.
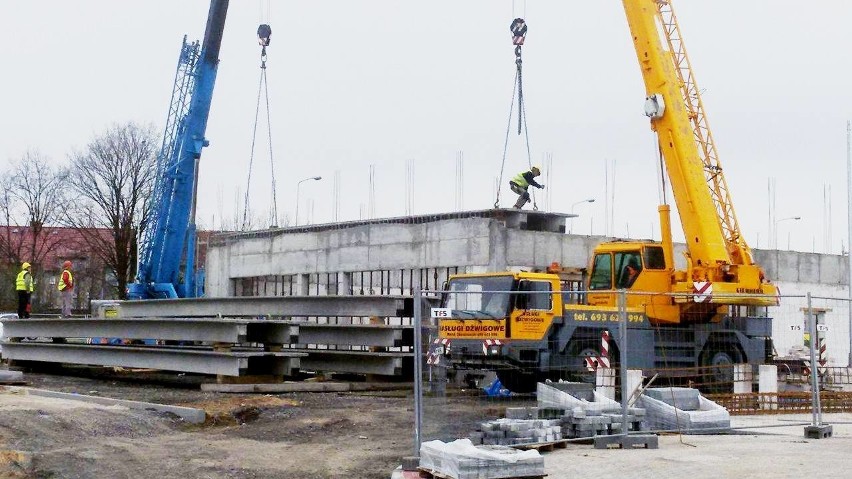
pixel 461 459
pixel 683 409
pixel 514 431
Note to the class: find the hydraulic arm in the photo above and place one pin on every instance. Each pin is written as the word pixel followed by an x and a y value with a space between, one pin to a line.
pixel 717 251
pixel 167 249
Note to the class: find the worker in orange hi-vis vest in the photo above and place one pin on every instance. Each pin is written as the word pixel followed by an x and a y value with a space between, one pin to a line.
pixel 66 289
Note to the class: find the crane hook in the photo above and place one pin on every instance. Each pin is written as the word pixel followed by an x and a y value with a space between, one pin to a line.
pixel 264 34
pixel 519 31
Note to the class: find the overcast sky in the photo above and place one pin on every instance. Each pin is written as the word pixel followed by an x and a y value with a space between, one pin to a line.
pixel 360 82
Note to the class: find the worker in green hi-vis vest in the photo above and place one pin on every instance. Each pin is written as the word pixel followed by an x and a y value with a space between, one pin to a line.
pixel 24 287
pixel 521 182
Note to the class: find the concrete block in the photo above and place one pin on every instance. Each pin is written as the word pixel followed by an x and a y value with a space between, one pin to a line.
pixel 634 380
pixel 743 378
pixel 605 382
pixel 822 431
pixel 768 383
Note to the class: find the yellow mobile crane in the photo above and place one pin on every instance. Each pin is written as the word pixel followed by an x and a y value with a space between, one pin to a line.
pixel 705 315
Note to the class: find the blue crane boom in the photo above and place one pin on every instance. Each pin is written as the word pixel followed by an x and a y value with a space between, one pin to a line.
pixel 167 249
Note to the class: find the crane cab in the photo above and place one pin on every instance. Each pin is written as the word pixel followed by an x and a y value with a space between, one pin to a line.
pixel 636 266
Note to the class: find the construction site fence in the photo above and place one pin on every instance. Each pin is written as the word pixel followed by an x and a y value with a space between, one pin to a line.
pixel 789 358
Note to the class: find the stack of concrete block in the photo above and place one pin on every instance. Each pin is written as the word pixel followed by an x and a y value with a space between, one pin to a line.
pixel 683 409
pixel 461 459
pixel 586 413
pixel 582 423
pixel 514 431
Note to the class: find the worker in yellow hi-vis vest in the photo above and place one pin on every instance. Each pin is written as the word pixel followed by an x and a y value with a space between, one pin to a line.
pixel 521 182
pixel 66 289
pixel 24 287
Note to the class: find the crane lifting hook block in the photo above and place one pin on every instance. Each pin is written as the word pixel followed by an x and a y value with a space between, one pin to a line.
pixel 264 34
pixel 519 31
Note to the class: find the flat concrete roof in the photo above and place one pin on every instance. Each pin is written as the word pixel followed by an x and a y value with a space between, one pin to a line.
pixel 520 219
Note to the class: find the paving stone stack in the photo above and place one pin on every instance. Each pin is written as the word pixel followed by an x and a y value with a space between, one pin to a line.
pixel 461 459
pixel 580 423
pixel 516 429
pixel 538 425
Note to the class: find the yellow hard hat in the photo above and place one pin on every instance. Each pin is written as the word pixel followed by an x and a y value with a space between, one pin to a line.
pixel 25 265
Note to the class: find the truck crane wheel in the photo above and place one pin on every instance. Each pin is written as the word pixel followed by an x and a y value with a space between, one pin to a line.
pixel 717 363
pixel 581 349
pixel 517 381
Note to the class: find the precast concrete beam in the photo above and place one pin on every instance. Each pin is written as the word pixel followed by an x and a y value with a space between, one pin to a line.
pixel 259 306
pixel 163 358
pixel 355 362
pixel 171 329
pixel 352 335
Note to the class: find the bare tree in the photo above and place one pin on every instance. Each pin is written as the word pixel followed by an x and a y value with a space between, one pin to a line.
pixel 31 201
pixel 111 180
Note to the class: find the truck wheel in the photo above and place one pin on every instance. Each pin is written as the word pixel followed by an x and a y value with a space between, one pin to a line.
pixel 517 381
pixel 719 363
pixel 578 351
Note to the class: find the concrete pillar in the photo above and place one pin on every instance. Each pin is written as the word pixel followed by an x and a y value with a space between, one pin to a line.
pixel 303 284
pixel 768 384
pixel 345 286
pixel 743 378
pixel 634 380
pixel 605 382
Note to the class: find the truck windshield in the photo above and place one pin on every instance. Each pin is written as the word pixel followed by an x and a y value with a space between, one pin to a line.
pixel 476 297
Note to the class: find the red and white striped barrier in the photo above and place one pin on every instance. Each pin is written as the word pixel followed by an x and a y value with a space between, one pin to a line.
pixel 486 345
pixel 592 362
pixel 440 347
pixel 703 291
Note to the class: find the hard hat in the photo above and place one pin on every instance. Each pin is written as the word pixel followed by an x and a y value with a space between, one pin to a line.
pixel 535 170
pixel 66 264
pixel 25 265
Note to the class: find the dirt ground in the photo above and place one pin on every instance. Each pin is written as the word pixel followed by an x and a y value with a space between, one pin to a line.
pixel 295 436
pixel 340 435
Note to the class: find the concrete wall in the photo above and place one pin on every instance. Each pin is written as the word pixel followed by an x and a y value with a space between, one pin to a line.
pixel 487 244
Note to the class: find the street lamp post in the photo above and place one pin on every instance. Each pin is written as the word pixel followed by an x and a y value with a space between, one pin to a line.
pixel 588 200
pixel 315 178
pixel 794 218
